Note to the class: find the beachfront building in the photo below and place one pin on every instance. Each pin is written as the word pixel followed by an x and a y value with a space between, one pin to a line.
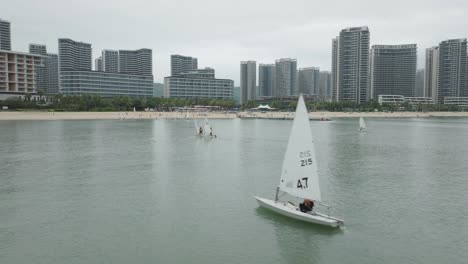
pixel 18 73
pixel 400 99
pixel 248 71
pixel 135 78
pixel 74 55
pixel 393 70
pixel 459 101
pixel 452 70
pixel 308 80
pixel 47 73
pixel 266 79
pixel 5 35
pixel 181 64
pixel 110 60
pixel 98 64
pixel 350 65
pixel 419 100
pixel 207 72
pixel 187 87
pixel 286 78
pixel 391 99
pixel 419 90
pixel 39 49
pixel 325 80
pixel 135 62
pixel 106 84
pixel 431 76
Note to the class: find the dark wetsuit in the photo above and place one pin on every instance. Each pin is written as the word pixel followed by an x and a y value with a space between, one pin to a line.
pixel 304 208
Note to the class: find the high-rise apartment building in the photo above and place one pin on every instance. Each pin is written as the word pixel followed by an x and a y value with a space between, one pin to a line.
pixel 266 79
pixel 325 81
pixel 39 49
pixel 419 90
pixel 181 64
pixel 248 79
pixel 41 71
pixel 47 77
pixel 286 77
pixel 452 69
pixel 135 62
pixel 110 60
pixel 393 70
pixel 52 74
pixel 186 81
pixel 74 55
pixel 18 72
pixel 5 35
pixel 308 80
pixel 334 72
pixel 98 64
pixel 431 78
pixel 350 53
pixel 76 77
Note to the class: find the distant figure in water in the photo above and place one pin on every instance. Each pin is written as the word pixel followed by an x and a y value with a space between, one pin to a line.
pixel 211 131
pixel 306 206
pixel 201 131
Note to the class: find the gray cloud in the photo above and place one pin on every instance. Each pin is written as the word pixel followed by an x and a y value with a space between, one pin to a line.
pixel 222 33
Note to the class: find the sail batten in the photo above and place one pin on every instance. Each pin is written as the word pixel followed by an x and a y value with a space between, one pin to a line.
pixel 299 176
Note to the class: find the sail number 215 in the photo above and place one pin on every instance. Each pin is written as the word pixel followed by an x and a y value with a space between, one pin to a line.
pixel 305 158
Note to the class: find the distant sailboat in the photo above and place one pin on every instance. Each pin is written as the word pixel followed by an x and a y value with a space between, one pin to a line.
pixel 205 130
pixel 362 125
pixel 299 176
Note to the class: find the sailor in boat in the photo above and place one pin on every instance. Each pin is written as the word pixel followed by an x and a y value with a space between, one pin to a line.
pixel 211 131
pixel 200 131
pixel 306 206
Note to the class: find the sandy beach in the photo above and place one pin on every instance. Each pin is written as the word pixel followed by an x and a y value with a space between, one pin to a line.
pixel 212 115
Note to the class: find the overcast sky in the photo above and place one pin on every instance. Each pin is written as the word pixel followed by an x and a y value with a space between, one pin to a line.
pixel 222 33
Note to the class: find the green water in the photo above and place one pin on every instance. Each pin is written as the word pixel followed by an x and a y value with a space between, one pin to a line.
pixel 144 191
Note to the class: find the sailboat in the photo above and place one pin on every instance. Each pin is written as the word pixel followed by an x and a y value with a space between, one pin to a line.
pixel 206 129
pixel 362 125
pixel 299 176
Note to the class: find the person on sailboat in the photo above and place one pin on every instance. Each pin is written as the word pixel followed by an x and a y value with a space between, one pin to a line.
pixel 201 131
pixel 211 131
pixel 306 206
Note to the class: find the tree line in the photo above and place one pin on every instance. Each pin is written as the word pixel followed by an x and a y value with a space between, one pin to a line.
pixel 124 103
pixel 119 103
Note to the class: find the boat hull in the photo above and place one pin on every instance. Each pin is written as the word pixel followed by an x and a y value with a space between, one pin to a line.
pixel 291 211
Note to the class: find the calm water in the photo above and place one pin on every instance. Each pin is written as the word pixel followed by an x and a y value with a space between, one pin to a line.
pixel 147 191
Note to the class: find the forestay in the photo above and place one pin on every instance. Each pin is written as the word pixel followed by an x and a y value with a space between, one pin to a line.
pixel 299 175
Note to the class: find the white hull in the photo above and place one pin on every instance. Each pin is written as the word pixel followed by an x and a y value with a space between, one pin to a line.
pixel 292 211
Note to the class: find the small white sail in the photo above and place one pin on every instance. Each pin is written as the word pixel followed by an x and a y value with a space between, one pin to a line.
pixel 197 128
pixel 299 175
pixel 207 128
pixel 362 124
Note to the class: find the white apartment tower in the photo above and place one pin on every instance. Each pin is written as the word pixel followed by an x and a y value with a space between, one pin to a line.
pixel 110 61
pixel 350 65
pixel 286 78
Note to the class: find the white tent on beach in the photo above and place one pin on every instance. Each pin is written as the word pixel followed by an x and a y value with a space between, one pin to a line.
pixel 264 107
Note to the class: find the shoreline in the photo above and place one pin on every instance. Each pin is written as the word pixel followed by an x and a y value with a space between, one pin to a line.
pixel 37 115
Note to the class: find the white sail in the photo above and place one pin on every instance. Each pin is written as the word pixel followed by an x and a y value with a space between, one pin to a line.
pixel 362 124
pixel 207 128
pixel 299 175
pixel 197 128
